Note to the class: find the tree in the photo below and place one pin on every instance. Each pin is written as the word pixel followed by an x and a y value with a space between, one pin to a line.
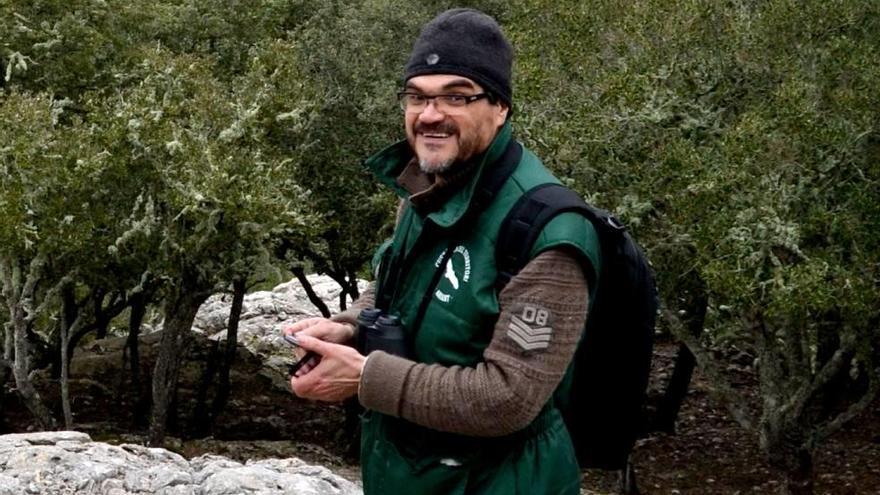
pixel 60 181
pixel 737 143
pixel 214 199
pixel 43 234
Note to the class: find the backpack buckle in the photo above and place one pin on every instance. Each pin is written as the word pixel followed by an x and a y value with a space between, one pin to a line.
pixel 614 223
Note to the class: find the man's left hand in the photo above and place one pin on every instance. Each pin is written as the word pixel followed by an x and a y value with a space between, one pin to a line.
pixel 335 378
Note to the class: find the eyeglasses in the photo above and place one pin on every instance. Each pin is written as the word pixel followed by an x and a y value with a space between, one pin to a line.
pixel 417 102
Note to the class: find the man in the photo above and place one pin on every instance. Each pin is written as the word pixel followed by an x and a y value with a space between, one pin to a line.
pixel 472 408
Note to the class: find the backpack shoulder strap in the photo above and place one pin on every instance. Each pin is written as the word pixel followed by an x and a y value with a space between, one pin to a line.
pixel 528 217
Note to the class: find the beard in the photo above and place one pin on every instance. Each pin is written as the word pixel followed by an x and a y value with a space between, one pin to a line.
pixel 440 164
pixel 429 166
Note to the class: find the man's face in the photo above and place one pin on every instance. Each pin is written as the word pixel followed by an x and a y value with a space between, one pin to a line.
pixel 442 136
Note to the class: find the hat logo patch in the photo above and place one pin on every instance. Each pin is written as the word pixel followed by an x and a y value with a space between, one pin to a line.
pixel 432 59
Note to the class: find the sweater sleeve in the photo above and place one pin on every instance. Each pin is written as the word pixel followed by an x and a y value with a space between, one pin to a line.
pixel 507 390
pixel 367 300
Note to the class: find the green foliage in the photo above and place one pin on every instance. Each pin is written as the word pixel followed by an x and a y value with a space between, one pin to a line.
pixel 44 166
pixel 744 130
pixel 215 196
pixel 739 140
pixel 344 66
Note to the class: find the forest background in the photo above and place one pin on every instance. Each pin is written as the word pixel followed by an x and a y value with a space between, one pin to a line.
pixel 155 153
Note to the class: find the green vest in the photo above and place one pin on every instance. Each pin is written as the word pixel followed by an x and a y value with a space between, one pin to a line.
pixel 456 327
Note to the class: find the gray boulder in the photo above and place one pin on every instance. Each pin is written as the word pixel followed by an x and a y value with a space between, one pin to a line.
pixel 68 462
pixel 264 316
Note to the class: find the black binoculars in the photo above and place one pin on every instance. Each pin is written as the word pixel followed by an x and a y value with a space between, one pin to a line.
pixel 380 332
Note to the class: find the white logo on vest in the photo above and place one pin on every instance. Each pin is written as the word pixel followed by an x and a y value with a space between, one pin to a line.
pixel 456 273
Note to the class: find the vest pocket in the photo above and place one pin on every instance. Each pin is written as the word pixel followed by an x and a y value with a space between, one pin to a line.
pixel 388 469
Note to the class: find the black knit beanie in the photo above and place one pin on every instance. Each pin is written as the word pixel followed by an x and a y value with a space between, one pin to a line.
pixel 468 43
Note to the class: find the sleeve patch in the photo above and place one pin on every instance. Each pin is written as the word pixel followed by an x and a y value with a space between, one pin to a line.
pixel 530 327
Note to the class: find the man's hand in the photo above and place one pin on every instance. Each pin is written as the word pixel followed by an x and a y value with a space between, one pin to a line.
pixel 334 378
pixel 322 328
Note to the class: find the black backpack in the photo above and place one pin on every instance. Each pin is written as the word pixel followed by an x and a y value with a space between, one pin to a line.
pixel 605 413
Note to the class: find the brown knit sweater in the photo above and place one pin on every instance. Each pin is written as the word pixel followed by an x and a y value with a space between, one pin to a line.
pixel 506 391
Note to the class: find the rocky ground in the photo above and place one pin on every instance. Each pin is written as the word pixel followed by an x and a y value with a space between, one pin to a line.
pixel 708 453
pixel 67 462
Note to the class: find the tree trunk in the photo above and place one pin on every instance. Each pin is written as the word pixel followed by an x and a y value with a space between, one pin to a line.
pixel 785 443
pixel 200 425
pixel 626 481
pixel 18 295
pixel 97 297
pixel 68 322
pixel 239 287
pixel 796 473
pixel 180 310
pixel 353 287
pixel 5 370
pixel 21 372
pixel 8 343
pixel 696 305
pixel 102 317
pixel 676 391
pixel 132 344
pixel 799 481
pixel 300 275
pixel 203 418
pixel 348 284
pixel 8 353
pixel 833 394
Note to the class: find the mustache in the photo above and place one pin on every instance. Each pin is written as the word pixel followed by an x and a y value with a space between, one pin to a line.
pixel 440 128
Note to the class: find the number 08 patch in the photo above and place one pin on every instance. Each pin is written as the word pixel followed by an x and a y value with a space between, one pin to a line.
pixel 530 327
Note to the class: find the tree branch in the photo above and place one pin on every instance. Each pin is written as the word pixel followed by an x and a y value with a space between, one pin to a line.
pixel 9 286
pixel 721 387
pixel 6 294
pixel 5 279
pixel 35 270
pixel 797 350
pixel 826 429
pixel 47 299
pixel 831 369
pixel 300 275
pixel 770 371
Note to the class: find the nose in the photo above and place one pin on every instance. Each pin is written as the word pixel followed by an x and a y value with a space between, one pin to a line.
pixel 430 114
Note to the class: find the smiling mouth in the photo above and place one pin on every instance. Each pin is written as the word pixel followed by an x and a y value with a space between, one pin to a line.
pixel 436 132
pixel 435 135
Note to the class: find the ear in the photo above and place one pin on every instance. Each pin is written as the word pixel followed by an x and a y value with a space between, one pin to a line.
pixel 501 114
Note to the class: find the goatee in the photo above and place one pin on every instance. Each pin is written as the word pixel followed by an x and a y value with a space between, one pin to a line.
pixel 435 167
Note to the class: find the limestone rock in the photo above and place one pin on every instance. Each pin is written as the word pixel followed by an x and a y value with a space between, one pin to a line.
pixel 68 462
pixel 264 316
